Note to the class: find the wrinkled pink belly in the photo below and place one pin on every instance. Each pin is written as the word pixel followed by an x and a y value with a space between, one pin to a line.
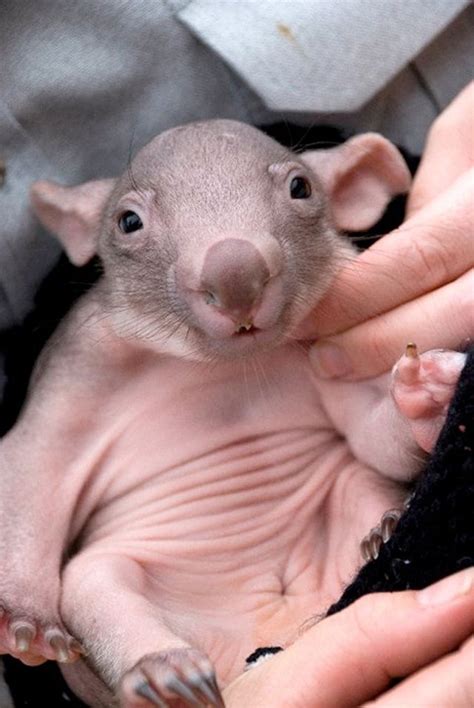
pixel 221 493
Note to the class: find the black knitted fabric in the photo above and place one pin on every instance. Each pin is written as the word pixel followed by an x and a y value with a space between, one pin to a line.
pixel 434 538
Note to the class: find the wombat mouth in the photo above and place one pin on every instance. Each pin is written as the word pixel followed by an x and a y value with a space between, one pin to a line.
pixel 245 330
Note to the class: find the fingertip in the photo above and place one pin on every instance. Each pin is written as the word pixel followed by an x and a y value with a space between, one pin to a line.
pixel 329 360
pixel 448 589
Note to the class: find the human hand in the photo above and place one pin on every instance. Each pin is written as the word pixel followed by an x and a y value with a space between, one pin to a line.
pixel 416 283
pixel 350 658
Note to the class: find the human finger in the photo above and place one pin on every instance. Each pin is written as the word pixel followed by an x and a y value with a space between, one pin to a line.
pixel 352 656
pixel 446 682
pixel 442 319
pixel 433 248
pixel 449 151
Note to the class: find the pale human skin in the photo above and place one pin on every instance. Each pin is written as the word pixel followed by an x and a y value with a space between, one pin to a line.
pixel 209 504
pixel 440 313
pixel 350 658
pixel 417 282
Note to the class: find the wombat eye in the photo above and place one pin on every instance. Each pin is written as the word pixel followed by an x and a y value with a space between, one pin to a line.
pixel 129 221
pixel 300 188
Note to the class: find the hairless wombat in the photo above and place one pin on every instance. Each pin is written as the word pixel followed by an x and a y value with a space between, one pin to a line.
pixel 180 488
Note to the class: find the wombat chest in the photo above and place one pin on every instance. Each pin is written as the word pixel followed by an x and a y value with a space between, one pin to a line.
pixel 188 450
pixel 213 480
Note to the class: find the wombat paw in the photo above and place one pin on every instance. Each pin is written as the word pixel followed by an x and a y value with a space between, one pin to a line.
pixel 33 641
pixel 372 543
pixel 423 386
pixel 171 679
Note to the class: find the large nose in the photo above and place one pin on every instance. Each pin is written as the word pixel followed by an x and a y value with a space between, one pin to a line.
pixel 233 276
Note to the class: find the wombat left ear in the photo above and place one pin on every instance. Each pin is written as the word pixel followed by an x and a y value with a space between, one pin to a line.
pixel 360 178
pixel 73 214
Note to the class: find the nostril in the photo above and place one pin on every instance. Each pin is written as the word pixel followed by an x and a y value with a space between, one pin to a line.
pixel 211 298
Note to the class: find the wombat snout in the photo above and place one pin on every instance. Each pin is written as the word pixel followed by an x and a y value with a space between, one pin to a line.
pixel 233 278
pixel 237 289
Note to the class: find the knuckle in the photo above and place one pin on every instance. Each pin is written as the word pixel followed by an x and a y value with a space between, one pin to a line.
pixel 364 617
pixel 379 344
pixel 431 261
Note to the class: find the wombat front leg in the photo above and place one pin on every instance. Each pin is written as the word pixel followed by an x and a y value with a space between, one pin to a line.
pixel 423 386
pixel 34 520
pixel 127 642
pixel 391 421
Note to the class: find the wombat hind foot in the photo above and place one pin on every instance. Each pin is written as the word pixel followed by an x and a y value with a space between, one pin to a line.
pixel 171 679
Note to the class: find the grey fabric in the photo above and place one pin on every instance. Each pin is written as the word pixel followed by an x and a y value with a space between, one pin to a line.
pixel 318 55
pixel 81 85
pixel 84 84
pixel 449 62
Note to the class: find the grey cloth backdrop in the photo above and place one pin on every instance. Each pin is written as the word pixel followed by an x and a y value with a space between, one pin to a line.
pixel 83 84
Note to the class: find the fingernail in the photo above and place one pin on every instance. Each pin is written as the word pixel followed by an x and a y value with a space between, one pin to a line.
pixel 447 590
pixel 329 361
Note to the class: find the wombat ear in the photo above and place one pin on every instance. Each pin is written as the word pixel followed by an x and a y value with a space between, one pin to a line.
pixel 73 214
pixel 360 177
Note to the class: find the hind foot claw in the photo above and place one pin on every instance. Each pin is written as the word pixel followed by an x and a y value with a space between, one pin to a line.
pixel 372 543
pixel 168 679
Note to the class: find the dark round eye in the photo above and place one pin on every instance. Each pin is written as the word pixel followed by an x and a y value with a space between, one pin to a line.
pixel 300 188
pixel 129 221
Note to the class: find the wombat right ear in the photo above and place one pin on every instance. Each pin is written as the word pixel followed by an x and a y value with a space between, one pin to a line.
pixel 73 214
pixel 360 178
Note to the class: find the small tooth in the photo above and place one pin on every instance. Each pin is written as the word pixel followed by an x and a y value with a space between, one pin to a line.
pixel 24 635
pixel 244 325
pixel 58 644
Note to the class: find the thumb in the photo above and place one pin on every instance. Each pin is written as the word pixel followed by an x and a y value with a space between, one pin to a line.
pixel 351 657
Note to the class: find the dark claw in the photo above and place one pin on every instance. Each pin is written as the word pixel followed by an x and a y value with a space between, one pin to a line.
pixel 146 691
pixel 60 648
pixel 365 550
pixel 389 524
pixel 76 647
pixel 175 684
pixel 24 635
pixel 375 543
pixel 207 686
pixel 218 699
pixel 206 689
pixel 370 545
